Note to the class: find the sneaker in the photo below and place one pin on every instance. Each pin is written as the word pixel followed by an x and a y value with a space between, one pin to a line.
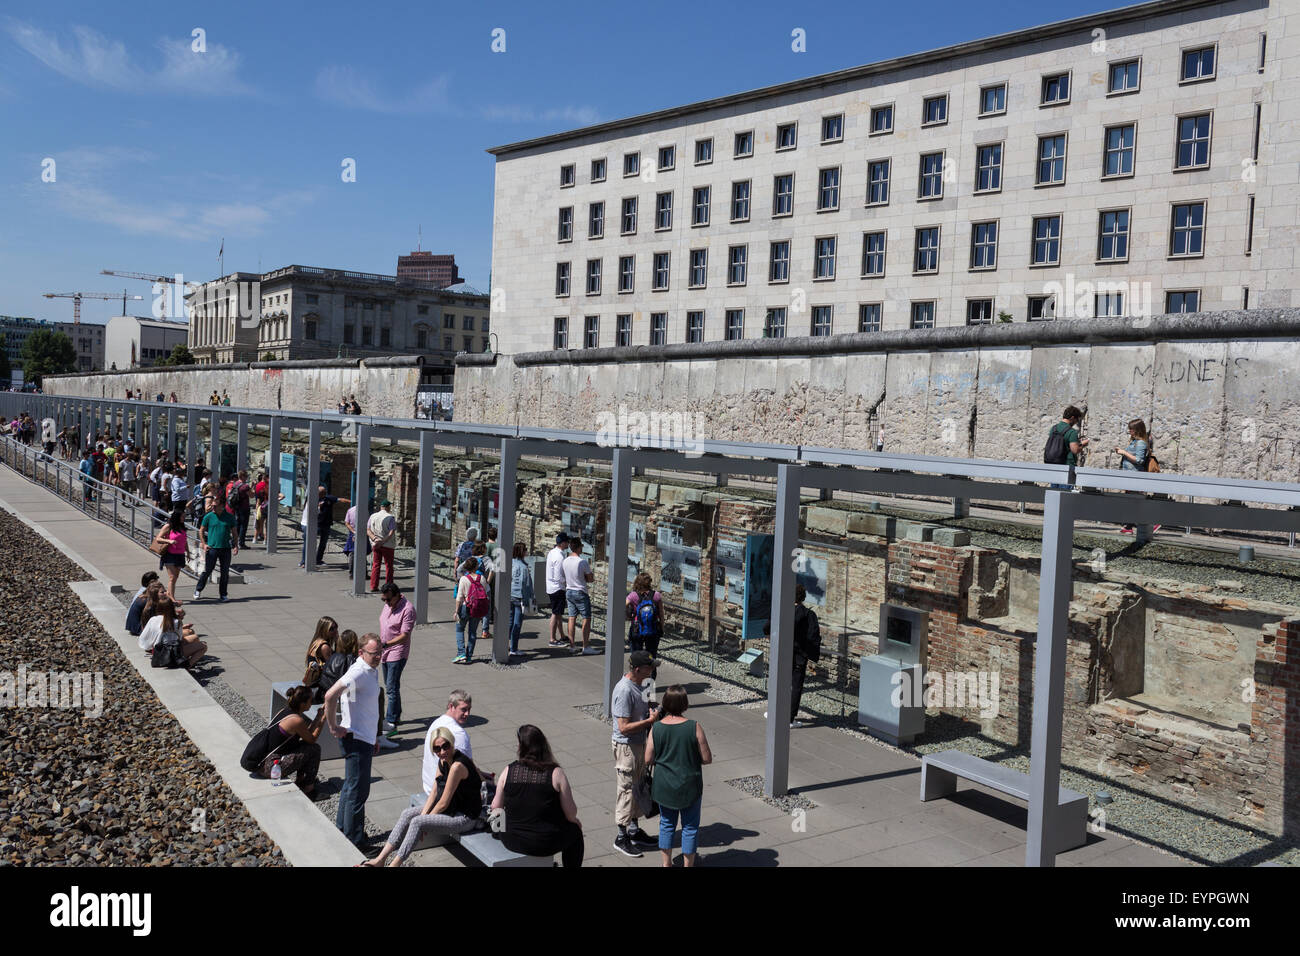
pixel 765 715
pixel 641 838
pixel 197 594
pixel 386 744
pixel 391 735
pixel 459 659
pixel 796 724
pixel 389 726
pixel 575 649
pixel 591 650
pixel 623 843
pixel 557 644
pixel 223 598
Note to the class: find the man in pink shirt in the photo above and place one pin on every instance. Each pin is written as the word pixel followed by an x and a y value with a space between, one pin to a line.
pixel 396 621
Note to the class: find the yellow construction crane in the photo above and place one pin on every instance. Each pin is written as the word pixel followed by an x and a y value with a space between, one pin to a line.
pixel 76 298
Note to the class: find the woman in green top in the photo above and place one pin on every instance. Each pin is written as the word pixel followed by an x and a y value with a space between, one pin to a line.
pixel 677 748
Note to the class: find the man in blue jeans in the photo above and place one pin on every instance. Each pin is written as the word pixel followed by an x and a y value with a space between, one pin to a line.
pixel 396 621
pixel 357 731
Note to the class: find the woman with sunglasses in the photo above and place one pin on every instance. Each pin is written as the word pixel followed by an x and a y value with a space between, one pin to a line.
pixel 454 806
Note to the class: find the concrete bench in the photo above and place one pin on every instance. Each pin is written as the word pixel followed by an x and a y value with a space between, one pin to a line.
pixel 330 746
pixel 940 772
pixel 492 852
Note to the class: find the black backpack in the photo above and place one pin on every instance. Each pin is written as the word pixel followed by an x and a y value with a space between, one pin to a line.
pixel 1056 451
pixel 259 746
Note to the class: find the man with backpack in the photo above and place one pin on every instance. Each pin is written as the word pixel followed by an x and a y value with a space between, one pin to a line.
pixel 1063 441
pixel 471 609
pixel 240 496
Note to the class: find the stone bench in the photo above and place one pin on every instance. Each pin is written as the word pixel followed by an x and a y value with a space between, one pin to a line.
pixel 940 772
pixel 492 852
pixel 330 746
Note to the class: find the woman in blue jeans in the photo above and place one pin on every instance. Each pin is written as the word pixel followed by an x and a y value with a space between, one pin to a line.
pixel 466 626
pixel 677 749
pixel 521 593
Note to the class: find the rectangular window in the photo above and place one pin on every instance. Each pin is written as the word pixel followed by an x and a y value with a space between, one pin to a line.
pixel 699 268
pixel 627 222
pixel 596 220
pixel 598 170
pixel 703 151
pixel 833 128
pixel 1193 142
pixel 984 245
pixel 659 278
pixel 1056 89
pixel 993 100
pixel 824 258
pixel 449 321
pixel 821 319
pixel 312 299
pixel 561 332
pixel 1123 77
pixel 568 175
pixel 988 168
pixel 744 145
pixel 882 119
pixel 664 211
pixel 869 317
pixel 1118 160
pixel 740 201
pixel 623 336
pixel 737 264
pixel 309 330
pixel 467 322
pixel 449 342
pixel 774 324
pixel 347 334
pixel 700 206
pixel 922 315
pixel 1254 140
pixel 828 189
pixel 930 184
pixel 787 135
pixel 778 269
pixel 1051 159
pixel 694 327
pixel 561 280
pixel 631 164
pixel 1198 64
pixel 783 195
pixel 1042 308
pixel 593 277
pixel 873 254
pixel 626 273
pixel 1263 48
pixel 1183 301
pixel 422 309
pixel 1187 229
pixel 926 258
pixel 1112 236
pixel 1250 224
pixel 667 158
pixel 658 328
pixel 979 311
pixel 878 182
pixel 1108 304
pixel 591 332
pixel 735 324
pixel 934 110
pixel 1047 241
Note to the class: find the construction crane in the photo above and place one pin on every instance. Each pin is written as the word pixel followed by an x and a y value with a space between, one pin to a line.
pixel 76 298
pixel 142 276
pixel 178 302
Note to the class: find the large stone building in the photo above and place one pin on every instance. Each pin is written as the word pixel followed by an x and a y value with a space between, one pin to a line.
pixel 87 339
pixel 440 270
pixel 1142 160
pixel 303 312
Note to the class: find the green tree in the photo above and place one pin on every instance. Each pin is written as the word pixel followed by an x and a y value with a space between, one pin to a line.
pixel 47 352
pixel 181 355
pixel 268 357
pixel 4 364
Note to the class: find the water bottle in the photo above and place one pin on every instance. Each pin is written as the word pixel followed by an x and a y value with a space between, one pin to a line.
pixel 275 774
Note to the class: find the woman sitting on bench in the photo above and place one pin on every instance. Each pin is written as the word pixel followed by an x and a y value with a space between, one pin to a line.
pixel 300 756
pixel 454 806
pixel 540 815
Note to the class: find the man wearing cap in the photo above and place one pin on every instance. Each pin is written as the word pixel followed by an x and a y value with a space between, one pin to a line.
pixel 632 719
pixel 381 529
pixel 555 587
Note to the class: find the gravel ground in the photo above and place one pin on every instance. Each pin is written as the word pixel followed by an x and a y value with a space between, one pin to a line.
pixel 124 788
pixel 754 787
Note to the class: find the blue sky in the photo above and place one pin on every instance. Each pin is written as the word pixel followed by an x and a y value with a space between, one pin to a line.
pixel 160 151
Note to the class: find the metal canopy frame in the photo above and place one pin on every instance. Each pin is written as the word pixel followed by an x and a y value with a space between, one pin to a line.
pixel 1071 494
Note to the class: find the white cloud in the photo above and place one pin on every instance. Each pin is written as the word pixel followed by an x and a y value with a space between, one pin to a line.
pixel 96 60
pixel 347 87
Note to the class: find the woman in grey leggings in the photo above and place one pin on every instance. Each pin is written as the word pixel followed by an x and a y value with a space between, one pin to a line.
pixel 454 806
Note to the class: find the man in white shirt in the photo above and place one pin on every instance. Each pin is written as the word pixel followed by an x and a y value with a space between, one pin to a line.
pixel 555 586
pixel 381 529
pixel 359 691
pixel 577 575
pixel 458 708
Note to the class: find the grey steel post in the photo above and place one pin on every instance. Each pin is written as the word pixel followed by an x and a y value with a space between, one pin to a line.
pixel 214 445
pixel 505 546
pixel 241 451
pixel 311 504
pixel 173 420
pixel 1054 590
pixel 191 441
pixel 273 485
pixel 620 497
pixel 139 425
pixel 961 507
pixel 780 653
pixel 423 526
pixel 361 501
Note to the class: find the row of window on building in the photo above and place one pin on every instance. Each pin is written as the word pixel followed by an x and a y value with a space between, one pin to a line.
pixel 1197 64
pixel 1187 224
pixel 1192 151
pixel 979 311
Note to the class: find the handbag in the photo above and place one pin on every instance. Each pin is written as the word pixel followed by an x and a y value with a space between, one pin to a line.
pixel 641 793
pixel 259 746
pixel 158 546
pixel 167 651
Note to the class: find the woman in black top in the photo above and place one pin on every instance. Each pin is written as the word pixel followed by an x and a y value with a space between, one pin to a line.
pixel 454 806
pixel 541 817
pixel 293 742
